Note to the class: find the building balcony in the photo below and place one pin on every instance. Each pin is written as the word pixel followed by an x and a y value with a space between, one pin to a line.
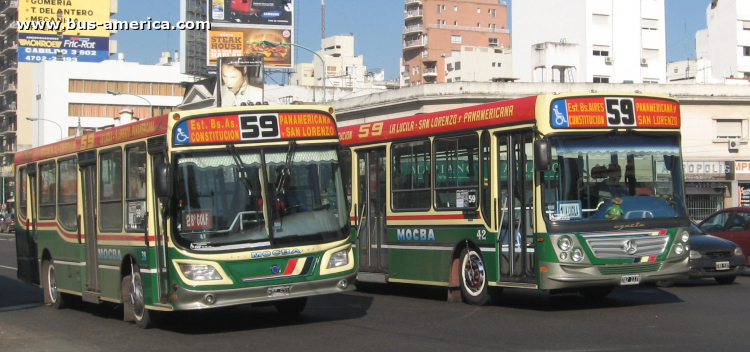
pixel 413 2
pixel 9 50
pixel 12 27
pixel 8 109
pixel 7 129
pixel 8 7
pixel 9 67
pixel 417 28
pixel 414 44
pixel 7 171
pixel 8 89
pixel 429 72
pixel 8 149
pixel 468 28
pixel 413 13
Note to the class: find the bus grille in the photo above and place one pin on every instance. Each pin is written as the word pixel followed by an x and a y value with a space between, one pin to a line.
pixel 629 269
pixel 627 247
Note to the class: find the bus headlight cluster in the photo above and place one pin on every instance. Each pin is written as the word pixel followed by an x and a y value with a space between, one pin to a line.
pixel 564 243
pixel 338 259
pixel 576 254
pixel 679 248
pixel 200 272
pixel 684 236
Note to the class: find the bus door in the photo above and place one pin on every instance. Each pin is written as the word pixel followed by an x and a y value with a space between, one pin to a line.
pixel 26 242
pixel 87 166
pixel 515 210
pixel 373 256
pixel 159 220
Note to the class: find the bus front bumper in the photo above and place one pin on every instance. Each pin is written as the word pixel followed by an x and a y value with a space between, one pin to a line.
pixel 188 299
pixel 565 276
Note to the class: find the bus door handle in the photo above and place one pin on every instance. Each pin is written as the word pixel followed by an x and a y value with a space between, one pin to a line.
pixel 78 225
pixel 361 216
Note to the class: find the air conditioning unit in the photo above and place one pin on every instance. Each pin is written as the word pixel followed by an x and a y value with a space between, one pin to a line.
pixel 734 144
pixel 442 54
pixel 644 62
pixel 609 60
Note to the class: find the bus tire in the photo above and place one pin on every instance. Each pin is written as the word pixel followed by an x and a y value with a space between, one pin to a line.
pixel 291 306
pixel 52 296
pixel 134 304
pixel 597 292
pixel 473 277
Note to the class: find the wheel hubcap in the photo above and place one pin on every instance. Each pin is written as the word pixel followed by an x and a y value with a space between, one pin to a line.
pixel 136 297
pixel 52 283
pixel 473 274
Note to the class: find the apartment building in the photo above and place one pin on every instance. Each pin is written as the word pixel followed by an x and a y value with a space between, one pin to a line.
pixel 726 40
pixel 436 31
pixel 589 41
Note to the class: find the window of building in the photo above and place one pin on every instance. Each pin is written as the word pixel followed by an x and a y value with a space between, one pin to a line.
pixel 456 39
pixel 652 54
pixel 440 8
pixel 67 203
pixel 449 80
pixel 458 65
pixel 492 12
pixel 598 52
pixel 731 129
pixel 479 10
pixel 494 41
pixel 411 175
pixel 455 8
pixel 599 20
pixel 598 79
pixel 649 24
pixel 110 190
pixel 479 25
pixel 676 69
pixel 746 50
pixel 492 26
pixel 47 190
pixel 424 53
pixel 746 25
pixel 456 177
pixel 457 79
pixel 455 53
pixel 135 184
pixel 493 64
pixel 455 23
pixel 650 81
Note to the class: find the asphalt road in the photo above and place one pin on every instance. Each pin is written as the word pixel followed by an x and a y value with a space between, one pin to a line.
pixel 693 315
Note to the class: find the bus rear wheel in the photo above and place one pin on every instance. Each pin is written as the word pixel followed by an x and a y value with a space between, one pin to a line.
pixel 134 305
pixel 56 298
pixel 473 277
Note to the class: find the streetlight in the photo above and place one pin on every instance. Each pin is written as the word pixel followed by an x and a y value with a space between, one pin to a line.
pixel 150 107
pixel 58 125
pixel 269 42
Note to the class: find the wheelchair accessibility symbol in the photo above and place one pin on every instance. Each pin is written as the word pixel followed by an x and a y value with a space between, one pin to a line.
pixel 559 114
pixel 181 137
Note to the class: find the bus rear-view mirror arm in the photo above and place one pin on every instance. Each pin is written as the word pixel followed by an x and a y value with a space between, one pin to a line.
pixel 542 155
pixel 163 181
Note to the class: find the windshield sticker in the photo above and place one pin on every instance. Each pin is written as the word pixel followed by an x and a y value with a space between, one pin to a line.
pixel 466 198
pixel 568 209
pixel 608 112
pixel 198 220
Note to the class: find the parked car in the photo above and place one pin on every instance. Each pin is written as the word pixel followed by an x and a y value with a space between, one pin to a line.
pixel 712 257
pixel 8 223
pixel 731 224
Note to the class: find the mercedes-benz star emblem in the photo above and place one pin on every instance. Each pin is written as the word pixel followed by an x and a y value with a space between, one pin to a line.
pixel 629 247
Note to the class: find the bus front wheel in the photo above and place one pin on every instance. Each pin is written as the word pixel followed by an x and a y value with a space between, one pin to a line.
pixel 473 276
pixel 134 305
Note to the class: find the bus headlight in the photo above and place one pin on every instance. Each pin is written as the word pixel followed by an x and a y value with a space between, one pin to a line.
pixel 564 243
pixel 695 255
pixel 576 254
pixel 338 259
pixel 200 272
pixel 679 248
pixel 685 236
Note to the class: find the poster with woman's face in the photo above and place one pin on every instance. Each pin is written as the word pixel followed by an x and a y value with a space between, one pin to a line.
pixel 261 12
pixel 240 80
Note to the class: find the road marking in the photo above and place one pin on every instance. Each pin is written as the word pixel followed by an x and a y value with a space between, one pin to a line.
pixel 7 267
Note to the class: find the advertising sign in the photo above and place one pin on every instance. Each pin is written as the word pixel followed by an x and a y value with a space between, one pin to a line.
pixel 253 12
pixel 250 41
pixel 73 15
pixel 41 47
pixel 240 80
pixel 618 112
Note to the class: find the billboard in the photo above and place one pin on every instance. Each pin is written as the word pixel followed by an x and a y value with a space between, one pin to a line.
pixel 68 28
pixel 240 41
pixel 240 80
pixel 252 12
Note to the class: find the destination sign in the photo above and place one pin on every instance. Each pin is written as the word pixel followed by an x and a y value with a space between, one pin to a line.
pixel 609 112
pixel 254 127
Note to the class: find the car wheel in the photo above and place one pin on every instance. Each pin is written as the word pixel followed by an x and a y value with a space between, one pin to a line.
pixel 473 278
pixel 725 280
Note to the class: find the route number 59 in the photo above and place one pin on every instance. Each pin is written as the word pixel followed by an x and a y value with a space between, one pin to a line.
pixel 620 111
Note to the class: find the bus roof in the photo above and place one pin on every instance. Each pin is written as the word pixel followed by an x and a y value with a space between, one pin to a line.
pixel 468 118
pixel 140 129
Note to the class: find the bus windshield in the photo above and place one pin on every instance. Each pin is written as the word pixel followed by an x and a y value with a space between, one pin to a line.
pixel 229 200
pixel 614 177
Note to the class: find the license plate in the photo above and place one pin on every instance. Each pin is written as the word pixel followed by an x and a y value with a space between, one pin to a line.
pixel 278 291
pixel 630 279
pixel 722 265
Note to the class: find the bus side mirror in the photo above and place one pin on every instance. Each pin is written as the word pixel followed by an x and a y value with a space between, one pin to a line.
pixel 542 155
pixel 163 181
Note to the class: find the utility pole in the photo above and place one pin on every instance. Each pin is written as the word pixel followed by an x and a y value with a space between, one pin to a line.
pixel 322 20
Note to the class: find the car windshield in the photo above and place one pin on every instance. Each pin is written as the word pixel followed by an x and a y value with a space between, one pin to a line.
pixel 259 198
pixel 614 177
pixel 696 231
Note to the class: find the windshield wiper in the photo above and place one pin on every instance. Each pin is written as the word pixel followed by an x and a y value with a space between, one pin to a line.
pixel 287 165
pixel 242 169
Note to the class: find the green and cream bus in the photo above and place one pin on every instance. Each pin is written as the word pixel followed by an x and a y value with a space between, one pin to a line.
pixel 522 193
pixel 189 211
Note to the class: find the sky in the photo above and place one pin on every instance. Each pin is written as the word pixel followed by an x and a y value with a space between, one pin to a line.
pixel 377 26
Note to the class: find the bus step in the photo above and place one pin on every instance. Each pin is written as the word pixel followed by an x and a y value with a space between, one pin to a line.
pixel 91 297
pixel 516 285
pixel 372 277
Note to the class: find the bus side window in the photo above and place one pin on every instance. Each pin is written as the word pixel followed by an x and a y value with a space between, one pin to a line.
pixel 110 190
pixel 135 159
